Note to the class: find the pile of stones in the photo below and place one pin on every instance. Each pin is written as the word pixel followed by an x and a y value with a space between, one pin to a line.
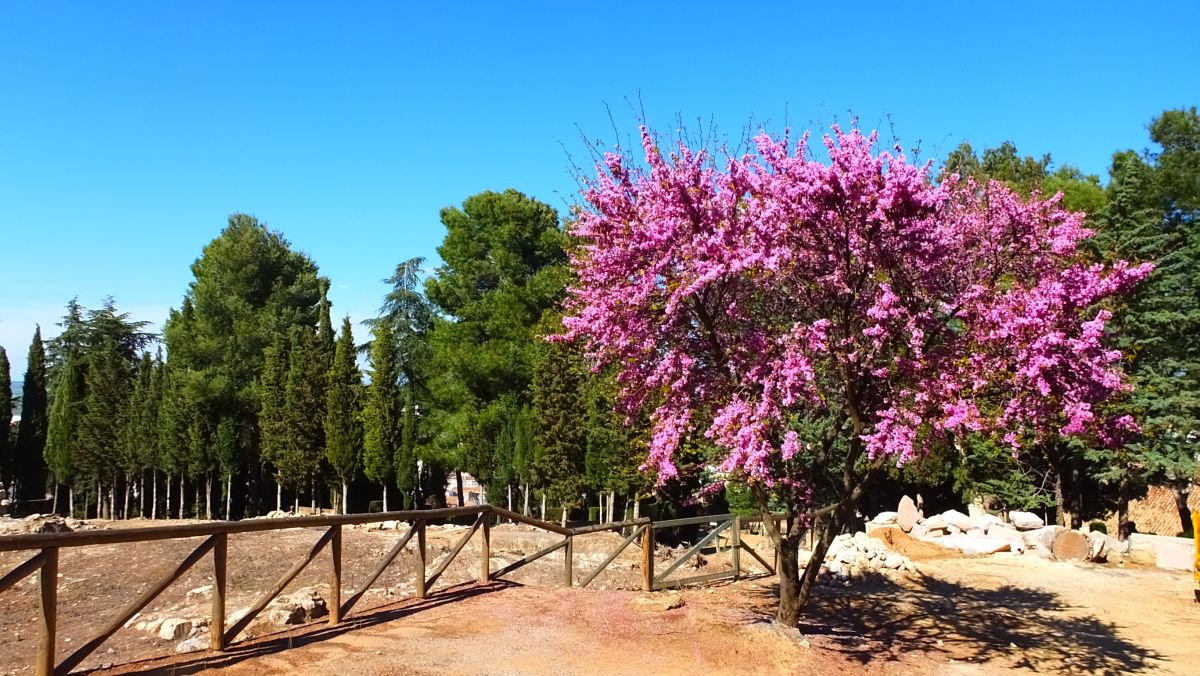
pixel 853 557
pixel 982 533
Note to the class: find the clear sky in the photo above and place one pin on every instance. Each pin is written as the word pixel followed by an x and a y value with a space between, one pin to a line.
pixel 129 131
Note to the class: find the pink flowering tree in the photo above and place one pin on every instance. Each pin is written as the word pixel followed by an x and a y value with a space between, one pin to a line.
pixel 813 321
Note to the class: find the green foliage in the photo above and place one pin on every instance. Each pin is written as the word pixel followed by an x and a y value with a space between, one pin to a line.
pixel 504 268
pixel 1098 526
pixel 381 412
pixel 343 431
pixel 30 446
pixel 61 444
pixel 558 409
pixel 304 412
pixel 6 403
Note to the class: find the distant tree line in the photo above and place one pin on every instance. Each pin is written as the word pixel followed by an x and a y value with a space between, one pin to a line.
pixel 251 400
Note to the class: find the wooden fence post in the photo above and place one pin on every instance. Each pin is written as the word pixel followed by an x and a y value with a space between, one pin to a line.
pixel 568 558
pixel 648 558
pixel 421 559
pixel 1196 540
pixel 335 582
pixel 485 550
pixel 216 626
pixel 48 613
pixel 735 541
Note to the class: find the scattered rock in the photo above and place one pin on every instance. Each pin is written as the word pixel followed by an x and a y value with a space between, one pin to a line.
pixel 907 514
pixel 1040 538
pixel 658 603
pixel 200 591
pixel 984 521
pixel 1025 520
pixel 976 544
pixel 191 645
pixel 935 523
pixel 173 629
pixel 297 608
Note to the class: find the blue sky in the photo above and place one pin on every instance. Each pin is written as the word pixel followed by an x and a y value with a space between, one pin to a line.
pixel 129 131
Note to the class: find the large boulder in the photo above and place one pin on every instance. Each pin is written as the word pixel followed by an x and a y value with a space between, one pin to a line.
pixel 1040 538
pixel 985 520
pixel 976 544
pixel 907 514
pixel 1025 520
pixel 935 523
pixel 297 608
pixel 955 518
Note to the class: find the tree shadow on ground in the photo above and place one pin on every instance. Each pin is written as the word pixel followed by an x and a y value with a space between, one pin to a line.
pixel 1008 626
pixel 316 632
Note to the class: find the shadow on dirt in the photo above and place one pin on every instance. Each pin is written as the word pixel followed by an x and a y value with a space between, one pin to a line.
pixel 879 620
pixel 313 633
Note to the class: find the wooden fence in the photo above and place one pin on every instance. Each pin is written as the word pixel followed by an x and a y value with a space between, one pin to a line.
pixel 216 542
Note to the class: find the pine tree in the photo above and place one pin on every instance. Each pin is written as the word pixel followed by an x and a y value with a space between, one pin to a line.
pixel 28 461
pixel 225 449
pixel 343 430
pixel 6 402
pixel 60 444
pixel 134 433
pixel 381 414
pixel 173 435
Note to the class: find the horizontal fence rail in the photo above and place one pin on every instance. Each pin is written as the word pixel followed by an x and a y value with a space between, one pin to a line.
pixel 216 542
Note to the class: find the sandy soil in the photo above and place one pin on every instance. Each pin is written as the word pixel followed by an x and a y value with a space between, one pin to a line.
pixel 957 615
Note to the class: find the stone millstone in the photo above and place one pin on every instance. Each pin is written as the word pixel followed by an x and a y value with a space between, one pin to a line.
pixel 1069 545
pixel 907 514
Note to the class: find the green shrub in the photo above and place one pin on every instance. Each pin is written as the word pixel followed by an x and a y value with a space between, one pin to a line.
pixel 593 515
pixel 1098 526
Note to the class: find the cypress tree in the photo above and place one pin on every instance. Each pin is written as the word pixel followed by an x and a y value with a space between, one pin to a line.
pixel 343 432
pixel 304 413
pixel 28 462
pixel 60 443
pixel 6 402
pixel 272 418
pixel 172 435
pixel 225 448
pixel 559 410
pixel 98 442
pixel 381 414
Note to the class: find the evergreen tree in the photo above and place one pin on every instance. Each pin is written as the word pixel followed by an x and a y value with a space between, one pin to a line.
pixel 137 429
pixel 225 449
pixel 325 336
pixel 98 439
pixel 381 414
pixel 249 287
pixel 28 461
pixel 60 443
pixel 504 267
pixel 173 436
pixel 343 431
pixel 6 402
pixel 559 409
pixel 304 413
pixel 272 417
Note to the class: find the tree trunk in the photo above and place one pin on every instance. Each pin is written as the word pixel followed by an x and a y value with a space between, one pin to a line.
pixel 1124 525
pixel 71 500
pixel 612 506
pixel 208 497
pixel 564 516
pixel 312 494
pixel 525 510
pixel 637 506
pixel 1060 516
pixel 509 487
pixel 54 503
pixel 278 497
pixel 458 484
pixel 543 505
pixel 345 497
pixel 182 495
pixel 99 501
pixel 1181 492
pixel 125 506
pixel 385 496
pixel 154 494
pixel 296 503
pixel 600 507
pixel 167 502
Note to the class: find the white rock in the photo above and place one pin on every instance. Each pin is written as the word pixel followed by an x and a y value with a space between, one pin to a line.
pixel 957 519
pixel 1040 538
pixel 893 561
pixel 953 530
pixel 981 544
pixel 935 522
pixel 390 525
pixel 983 521
pixel 173 629
pixel 883 518
pixel 193 644
pixel 1025 520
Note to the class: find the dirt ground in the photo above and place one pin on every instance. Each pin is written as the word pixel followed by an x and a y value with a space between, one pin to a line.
pixel 956 615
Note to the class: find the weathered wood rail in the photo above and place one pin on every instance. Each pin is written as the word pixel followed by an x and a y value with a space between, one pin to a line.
pixel 216 542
